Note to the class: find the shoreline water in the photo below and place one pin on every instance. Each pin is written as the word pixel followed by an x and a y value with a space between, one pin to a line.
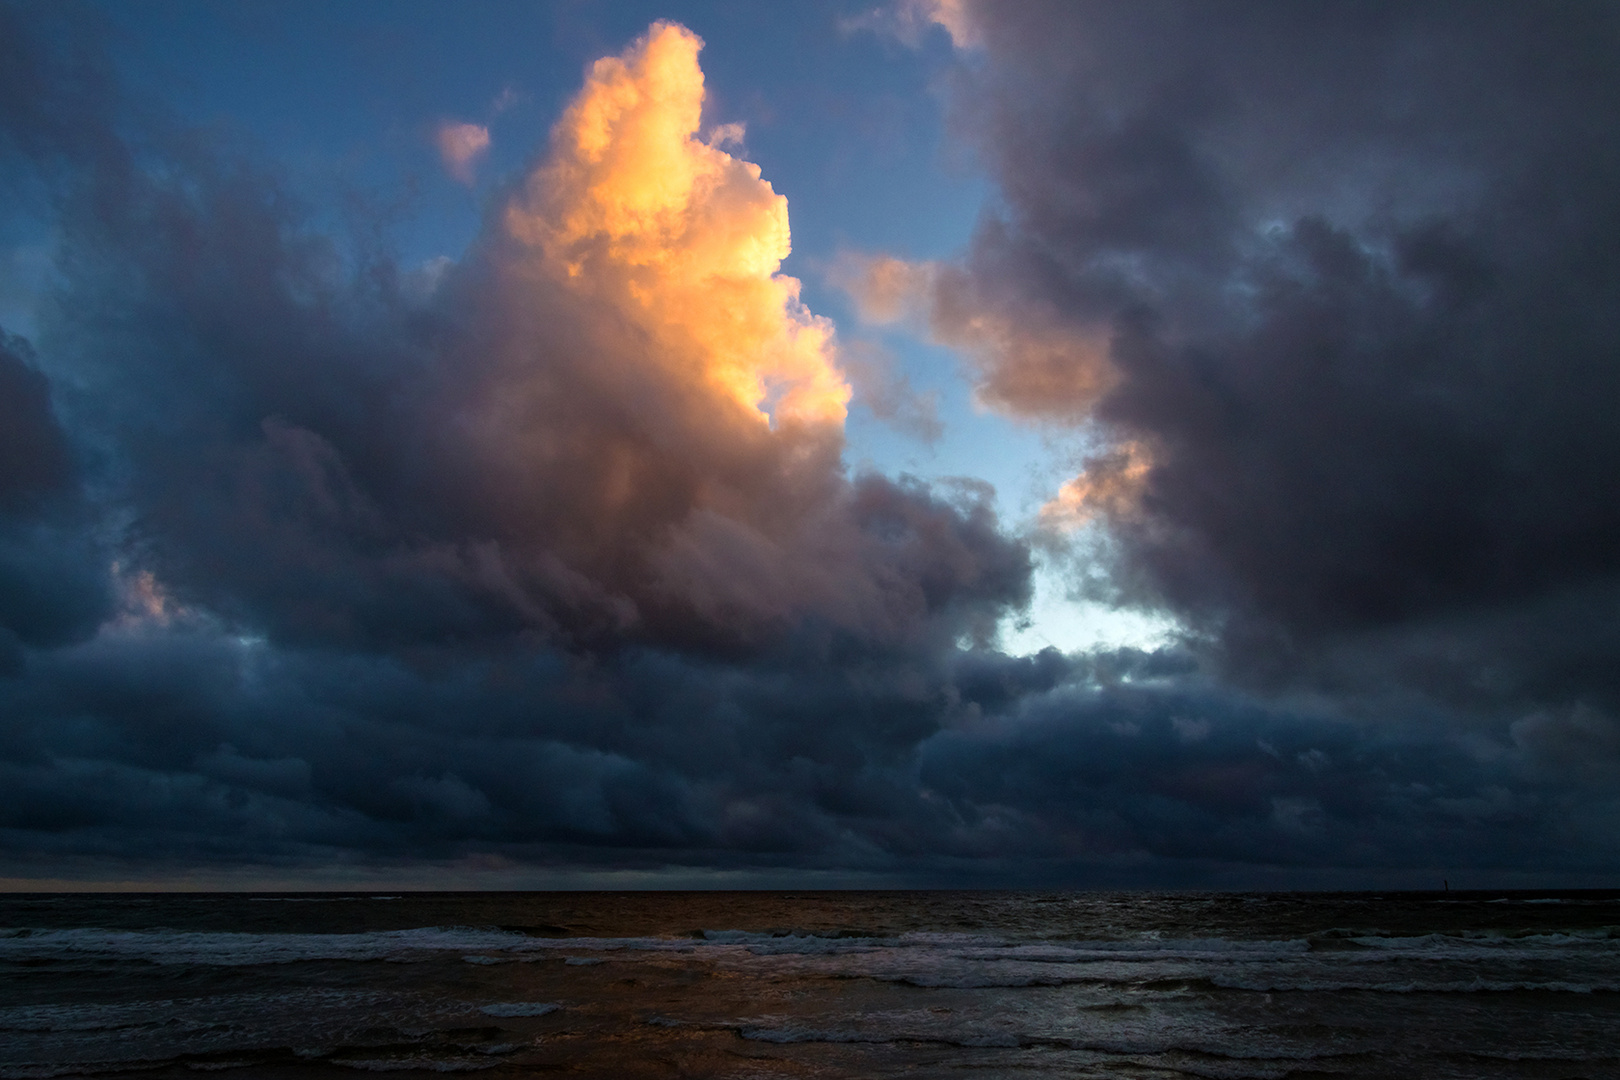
pixel 811 983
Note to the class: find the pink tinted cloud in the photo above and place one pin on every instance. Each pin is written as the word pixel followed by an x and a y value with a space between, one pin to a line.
pixel 461 145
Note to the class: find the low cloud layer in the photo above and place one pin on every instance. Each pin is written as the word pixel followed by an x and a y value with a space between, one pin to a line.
pixel 550 558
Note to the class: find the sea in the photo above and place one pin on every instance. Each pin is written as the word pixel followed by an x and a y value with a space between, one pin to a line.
pixel 813 984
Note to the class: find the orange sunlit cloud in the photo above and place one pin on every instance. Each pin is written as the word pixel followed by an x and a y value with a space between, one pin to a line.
pixel 885 289
pixel 1029 363
pixel 1111 486
pixel 683 239
pixel 654 418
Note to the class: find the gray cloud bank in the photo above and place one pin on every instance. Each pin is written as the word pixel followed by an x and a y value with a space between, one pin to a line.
pixel 304 563
pixel 1356 266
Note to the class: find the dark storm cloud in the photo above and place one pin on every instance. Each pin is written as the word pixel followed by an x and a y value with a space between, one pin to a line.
pixel 194 747
pixel 35 461
pixel 52 589
pixel 1356 267
pixel 464 561
pixel 1184 775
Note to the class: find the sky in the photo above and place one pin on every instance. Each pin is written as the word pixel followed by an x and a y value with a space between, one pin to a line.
pixel 923 444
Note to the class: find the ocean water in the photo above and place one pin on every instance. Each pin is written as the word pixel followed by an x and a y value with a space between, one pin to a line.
pixel 836 984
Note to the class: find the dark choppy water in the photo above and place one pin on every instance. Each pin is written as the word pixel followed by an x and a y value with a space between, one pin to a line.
pixel 814 985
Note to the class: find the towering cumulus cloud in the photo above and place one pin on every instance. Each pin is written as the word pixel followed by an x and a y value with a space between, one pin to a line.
pixel 613 421
pixel 681 238
pixel 686 428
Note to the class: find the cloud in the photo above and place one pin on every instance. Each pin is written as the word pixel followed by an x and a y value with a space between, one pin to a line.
pixel 635 210
pixel 585 487
pixel 1045 769
pixel 52 588
pixel 613 420
pixel 908 20
pixel 1110 487
pixel 888 393
pixel 35 459
pixel 1349 296
pixel 548 556
pixel 885 289
pixel 1030 360
pixel 462 146
pixel 506 99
